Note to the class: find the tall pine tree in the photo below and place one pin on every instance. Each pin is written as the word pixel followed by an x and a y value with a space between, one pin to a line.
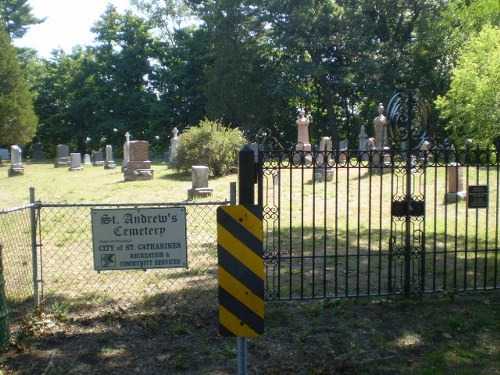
pixel 17 117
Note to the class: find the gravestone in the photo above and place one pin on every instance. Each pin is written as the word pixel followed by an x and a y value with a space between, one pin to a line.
pixel 380 154
pixel 4 154
pixel 380 123
pixel 38 152
pixel 97 159
pixel 110 163
pixel 199 187
pixel 303 142
pixel 343 151
pixel 425 154
pixel 324 161
pixel 455 191
pixel 62 156
pixel 86 160
pixel 174 144
pixel 138 166
pixel 16 165
pixel 75 162
pixel 362 139
pixel 125 151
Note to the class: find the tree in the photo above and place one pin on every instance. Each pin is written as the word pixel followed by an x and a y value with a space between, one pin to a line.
pixel 123 70
pixel 17 17
pixel 17 116
pixel 238 87
pixel 472 105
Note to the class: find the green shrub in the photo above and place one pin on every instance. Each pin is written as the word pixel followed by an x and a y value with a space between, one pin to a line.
pixel 211 144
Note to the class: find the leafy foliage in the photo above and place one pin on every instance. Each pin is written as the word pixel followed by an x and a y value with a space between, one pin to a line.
pixel 210 143
pixel 472 105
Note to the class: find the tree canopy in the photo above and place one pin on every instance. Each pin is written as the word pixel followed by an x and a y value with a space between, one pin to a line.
pixel 251 63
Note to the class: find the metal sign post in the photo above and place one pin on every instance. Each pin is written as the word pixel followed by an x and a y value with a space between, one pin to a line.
pixel 241 264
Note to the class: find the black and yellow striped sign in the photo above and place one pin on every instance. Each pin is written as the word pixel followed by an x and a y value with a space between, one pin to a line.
pixel 241 270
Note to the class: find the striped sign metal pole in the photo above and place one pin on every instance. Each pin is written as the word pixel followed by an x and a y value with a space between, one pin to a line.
pixel 241 270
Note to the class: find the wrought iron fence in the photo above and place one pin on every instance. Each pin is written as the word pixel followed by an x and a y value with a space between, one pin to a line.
pixel 337 223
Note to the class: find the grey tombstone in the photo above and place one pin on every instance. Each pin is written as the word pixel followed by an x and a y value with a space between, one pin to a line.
pixel 97 158
pixel 75 162
pixel 425 152
pixel 343 151
pixel 199 187
pixel 324 161
pixel 16 165
pixel 138 165
pixel 4 154
pixel 62 156
pixel 86 160
pixel 110 163
pixel 362 139
pixel 38 152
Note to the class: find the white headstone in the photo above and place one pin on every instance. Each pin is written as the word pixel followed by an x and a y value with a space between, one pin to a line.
pixel 16 166
pixel 174 144
pixel 15 155
pixel 86 159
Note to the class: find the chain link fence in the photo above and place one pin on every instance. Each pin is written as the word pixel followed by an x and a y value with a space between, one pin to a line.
pixel 16 238
pixel 58 270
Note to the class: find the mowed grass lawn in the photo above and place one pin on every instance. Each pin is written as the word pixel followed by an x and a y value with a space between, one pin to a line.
pixel 98 185
pixel 446 333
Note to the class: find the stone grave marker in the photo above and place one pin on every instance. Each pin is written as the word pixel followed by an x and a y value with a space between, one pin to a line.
pixel 456 191
pixel 138 166
pixel 16 165
pixel 75 162
pixel 199 187
pixel 97 158
pixel 174 144
pixel 38 152
pixel 62 156
pixel 86 160
pixel 110 163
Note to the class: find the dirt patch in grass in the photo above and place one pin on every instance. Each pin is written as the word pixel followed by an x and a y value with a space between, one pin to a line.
pixel 438 334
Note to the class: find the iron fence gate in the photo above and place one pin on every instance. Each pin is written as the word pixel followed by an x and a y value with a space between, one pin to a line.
pixel 396 220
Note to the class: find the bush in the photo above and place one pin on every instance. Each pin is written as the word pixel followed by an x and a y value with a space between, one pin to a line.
pixel 211 144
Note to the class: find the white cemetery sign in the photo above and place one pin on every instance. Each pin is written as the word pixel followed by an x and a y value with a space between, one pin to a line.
pixel 139 238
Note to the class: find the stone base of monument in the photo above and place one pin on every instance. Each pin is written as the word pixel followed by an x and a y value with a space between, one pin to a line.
pixel 455 197
pixel 381 162
pixel 62 162
pixel 319 175
pixel 110 165
pixel 138 174
pixel 199 193
pixel 16 171
pixel 73 169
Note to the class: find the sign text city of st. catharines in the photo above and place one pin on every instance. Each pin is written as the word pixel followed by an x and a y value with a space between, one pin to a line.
pixel 139 238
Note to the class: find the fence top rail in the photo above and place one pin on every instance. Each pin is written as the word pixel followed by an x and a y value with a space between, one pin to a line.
pixel 17 208
pixel 135 204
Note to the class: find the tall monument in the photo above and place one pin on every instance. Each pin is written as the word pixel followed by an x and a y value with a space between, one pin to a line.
pixel 303 143
pixel 380 123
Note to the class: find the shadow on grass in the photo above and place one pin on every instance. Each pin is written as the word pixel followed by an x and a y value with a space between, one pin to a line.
pixel 178 333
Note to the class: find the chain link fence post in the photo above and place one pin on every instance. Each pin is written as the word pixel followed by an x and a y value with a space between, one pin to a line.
pixel 34 252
